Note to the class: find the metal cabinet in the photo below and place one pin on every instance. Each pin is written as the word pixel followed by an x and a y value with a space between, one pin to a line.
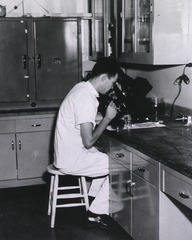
pixel 8 163
pixel 40 61
pixel 120 180
pixel 26 149
pixel 145 197
pixel 33 154
pixel 175 205
pixel 57 58
pixel 100 29
pixel 8 166
pixel 153 32
pixel 144 209
pixel 134 178
pixel 14 83
pixel 144 31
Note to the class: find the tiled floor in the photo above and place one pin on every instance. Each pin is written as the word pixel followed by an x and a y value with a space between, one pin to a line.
pixel 23 216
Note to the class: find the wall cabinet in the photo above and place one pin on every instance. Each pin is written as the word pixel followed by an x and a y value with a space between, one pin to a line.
pixel 40 61
pixel 26 149
pixel 100 29
pixel 147 31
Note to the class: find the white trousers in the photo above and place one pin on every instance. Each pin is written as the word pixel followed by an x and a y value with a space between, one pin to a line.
pixel 95 165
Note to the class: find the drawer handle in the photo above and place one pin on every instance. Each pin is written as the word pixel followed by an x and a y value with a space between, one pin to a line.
pixel 184 195
pixel 36 125
pixel 142 169
pixel 119 155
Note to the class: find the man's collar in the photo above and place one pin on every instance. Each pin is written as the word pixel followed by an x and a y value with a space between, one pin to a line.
pixel 92 89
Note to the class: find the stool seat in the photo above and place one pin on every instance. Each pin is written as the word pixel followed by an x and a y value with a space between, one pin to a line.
pixel 78 191
pixel 53 170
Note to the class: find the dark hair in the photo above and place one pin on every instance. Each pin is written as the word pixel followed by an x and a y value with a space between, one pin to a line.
pixel 105 65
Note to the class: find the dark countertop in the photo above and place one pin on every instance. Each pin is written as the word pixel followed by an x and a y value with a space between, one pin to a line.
pixel 25 112
pixel 170 145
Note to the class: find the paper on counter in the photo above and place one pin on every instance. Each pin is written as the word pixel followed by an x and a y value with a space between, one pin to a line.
pixel 145 125
pixel 139 126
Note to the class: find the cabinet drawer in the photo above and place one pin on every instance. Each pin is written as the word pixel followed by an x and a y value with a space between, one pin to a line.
pixel 177 188
pixel 120 155
pixel 7 126
pixel 36 124
pixel 145 169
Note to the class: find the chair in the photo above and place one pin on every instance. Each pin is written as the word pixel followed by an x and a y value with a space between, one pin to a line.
pixel 58 192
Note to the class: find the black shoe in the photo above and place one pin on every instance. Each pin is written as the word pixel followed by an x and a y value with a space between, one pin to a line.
pixel 102 220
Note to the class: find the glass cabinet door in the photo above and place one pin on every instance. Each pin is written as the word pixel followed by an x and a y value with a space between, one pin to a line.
pixel 142 26
pixel 101 29
pixel 128 18
pixel 134 27
pixel 97 29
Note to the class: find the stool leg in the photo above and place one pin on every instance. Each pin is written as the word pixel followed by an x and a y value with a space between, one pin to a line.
pixel 54 203
pixel 85 193
pixel 50 195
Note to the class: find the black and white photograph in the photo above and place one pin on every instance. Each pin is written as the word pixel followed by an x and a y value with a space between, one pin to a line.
pixel 95 119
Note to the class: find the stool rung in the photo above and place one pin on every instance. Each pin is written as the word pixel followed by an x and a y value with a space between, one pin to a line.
pixel 68 188
pixel 61 194
pixel 68 196
pixel 70 205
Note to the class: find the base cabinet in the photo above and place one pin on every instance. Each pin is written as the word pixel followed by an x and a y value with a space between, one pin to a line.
pixel 154 200
pixel 25 149
pixel 134 180
pixel 175 205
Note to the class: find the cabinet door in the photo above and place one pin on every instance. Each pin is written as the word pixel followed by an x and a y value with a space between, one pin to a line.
pixel 97 29
pixel 33 153
pixel 14 81
pixel 144 209
pixel 133 29
pixel 120 181
pixel 8 168
pixel 57 58
pixel 101 29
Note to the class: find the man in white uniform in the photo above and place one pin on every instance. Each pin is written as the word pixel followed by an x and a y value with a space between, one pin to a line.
pixel 75 136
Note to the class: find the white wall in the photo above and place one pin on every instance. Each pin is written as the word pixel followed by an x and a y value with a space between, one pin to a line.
pixel 162 81
pixel 43 7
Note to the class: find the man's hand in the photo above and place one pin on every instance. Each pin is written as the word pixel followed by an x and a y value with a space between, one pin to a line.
pixel 111 110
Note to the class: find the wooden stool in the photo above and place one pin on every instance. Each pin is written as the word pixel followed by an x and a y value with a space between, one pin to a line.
pixel 65 192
